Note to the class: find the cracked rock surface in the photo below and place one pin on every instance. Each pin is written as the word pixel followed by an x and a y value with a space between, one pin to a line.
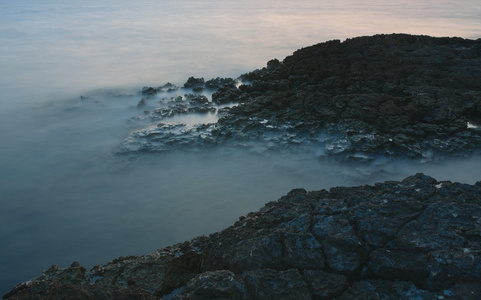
pixel 412 239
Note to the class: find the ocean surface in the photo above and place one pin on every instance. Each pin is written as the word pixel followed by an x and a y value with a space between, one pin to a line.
pixel 64 195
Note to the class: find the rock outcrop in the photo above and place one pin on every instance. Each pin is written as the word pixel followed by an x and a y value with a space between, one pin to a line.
pixel 413 239
pixel 394 95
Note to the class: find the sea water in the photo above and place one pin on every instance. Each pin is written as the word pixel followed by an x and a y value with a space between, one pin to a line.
pixel 70 72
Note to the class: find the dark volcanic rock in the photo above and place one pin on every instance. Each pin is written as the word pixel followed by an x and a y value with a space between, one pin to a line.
pixel 216 83
pixel 196 84
pixel 413 239
pixel 226 94
pixel 394 95
pixel 397 95
pixel 151 91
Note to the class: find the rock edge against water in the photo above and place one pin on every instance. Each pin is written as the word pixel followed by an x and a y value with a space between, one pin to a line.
pixel 415 238
pixel 391 95
pixel 395 95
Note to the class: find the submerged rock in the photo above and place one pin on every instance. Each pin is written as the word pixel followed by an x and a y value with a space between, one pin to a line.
pixel 167 137
pixel 415 238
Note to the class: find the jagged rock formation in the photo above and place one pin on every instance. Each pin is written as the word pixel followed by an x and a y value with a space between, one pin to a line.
pixel 395 95
pixel 413 239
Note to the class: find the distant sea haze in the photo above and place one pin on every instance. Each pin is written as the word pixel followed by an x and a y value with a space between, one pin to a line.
pixel 65 197
pixel 52 49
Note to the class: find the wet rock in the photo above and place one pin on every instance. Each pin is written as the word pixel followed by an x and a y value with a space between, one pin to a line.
pixel 216 83
pixel 196 84
pixel 196 99
pixel 415 238
pixel 201 110
pixel 380 86
pixel 392 95
pixel 302 251
pixel 73 283
pixel 226 94
pixel 273 63
pixel 169 87
pixel 271 284
pixel 451 254
pixel 382 289
pixel 324 285
pixel 149 91
pixel 168 137
pixel 142 103
pixel 152 91
pixel 157 125
pixel 343 250
pixel 221 284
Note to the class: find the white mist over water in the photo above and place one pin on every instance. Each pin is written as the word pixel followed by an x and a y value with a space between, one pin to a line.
pixel 64 196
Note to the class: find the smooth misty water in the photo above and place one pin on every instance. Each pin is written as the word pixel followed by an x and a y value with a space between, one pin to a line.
pixel 65 197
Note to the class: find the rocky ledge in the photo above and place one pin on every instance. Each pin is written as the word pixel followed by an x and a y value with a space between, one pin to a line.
pixel 413 239
pixel 394 95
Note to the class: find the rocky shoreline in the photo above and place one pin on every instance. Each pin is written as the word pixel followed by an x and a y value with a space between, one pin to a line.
pixel 411 239
pixel 392 96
